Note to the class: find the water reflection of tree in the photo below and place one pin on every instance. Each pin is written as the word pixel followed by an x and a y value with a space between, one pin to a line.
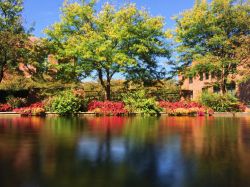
pixel 126 152
pixel 218 158
pixel 18 159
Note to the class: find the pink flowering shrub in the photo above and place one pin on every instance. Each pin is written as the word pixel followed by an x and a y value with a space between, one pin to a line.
pixel 107 108
pixel 36 109
pixel 5 108
pixel 184 108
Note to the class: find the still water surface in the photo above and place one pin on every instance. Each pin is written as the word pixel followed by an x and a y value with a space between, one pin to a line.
pixel 124 152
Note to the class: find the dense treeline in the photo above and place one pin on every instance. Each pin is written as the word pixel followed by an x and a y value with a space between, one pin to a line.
pixel 124 41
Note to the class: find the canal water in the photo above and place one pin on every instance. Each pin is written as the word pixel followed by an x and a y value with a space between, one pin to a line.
pixel 125 152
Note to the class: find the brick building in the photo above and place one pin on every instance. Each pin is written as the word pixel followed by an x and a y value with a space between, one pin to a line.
pixel 192 87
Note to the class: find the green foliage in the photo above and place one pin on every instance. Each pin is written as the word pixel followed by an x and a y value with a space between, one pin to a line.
pixel 65 103
pixel 124 40
pixel 40 57
pixel 15 83
pixel 13 37
pixel 166 90
pixel 214 35
pixel 16 102
pixel 10 15
pixel 138 102
pixel 221 103
pixel 41 89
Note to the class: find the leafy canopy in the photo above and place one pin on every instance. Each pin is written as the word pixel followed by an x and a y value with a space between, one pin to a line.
pixel 114 40
pixel 213 35
pixel 12 35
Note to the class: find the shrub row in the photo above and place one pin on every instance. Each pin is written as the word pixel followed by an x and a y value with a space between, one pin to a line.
pixel 68 103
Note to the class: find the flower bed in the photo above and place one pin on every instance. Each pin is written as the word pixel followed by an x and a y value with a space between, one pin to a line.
pixel 36 109
pixel 184 108
pixel 5 108
pixel 107 108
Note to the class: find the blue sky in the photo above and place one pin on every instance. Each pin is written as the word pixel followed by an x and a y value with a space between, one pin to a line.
pixel 45 12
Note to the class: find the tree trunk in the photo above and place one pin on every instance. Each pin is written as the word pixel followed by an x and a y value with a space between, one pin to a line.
pixel 106 85
pixel 223 87
pixel 223 82
pixel 2 66
pixel 108 91
pixel 1 73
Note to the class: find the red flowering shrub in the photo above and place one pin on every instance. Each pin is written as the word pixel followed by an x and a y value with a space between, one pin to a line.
pixel 183 108
pixel 180 104
pixel 5 108
pixel 240 107
pixel 107 108
pixel 37 105
pixel 36 109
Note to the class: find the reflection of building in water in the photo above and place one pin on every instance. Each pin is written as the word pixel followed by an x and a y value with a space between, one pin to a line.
pixel 244 145
pixel 191 131
pixel 217 145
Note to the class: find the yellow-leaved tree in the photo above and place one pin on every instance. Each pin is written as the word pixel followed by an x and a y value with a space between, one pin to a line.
pixel 122 40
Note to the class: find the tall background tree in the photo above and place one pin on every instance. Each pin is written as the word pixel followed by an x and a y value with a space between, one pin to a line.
pixel 12 35
pixel 215 36
pixel 124 40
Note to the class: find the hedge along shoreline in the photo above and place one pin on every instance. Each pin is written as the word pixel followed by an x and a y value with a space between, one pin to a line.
pixel 70 103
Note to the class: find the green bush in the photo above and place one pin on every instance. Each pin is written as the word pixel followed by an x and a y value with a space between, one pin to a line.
pixel 222 103
pixel 66 103
pixel 138 102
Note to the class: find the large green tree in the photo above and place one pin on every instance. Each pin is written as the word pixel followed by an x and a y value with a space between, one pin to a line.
pixel 215 36
pixel 12 35
pixel 124 40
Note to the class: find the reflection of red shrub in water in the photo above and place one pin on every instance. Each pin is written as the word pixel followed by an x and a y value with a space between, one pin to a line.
pixel 114 124
pixel 22 123
pixel 107 108
pixel 185 121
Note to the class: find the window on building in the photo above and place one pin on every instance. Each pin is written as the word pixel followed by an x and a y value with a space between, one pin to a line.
pixel 231 88
pixel 207 76
pixel 216 89
pixel 190 95
pixel 190 80
pixel 201 76
pixel 204 90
